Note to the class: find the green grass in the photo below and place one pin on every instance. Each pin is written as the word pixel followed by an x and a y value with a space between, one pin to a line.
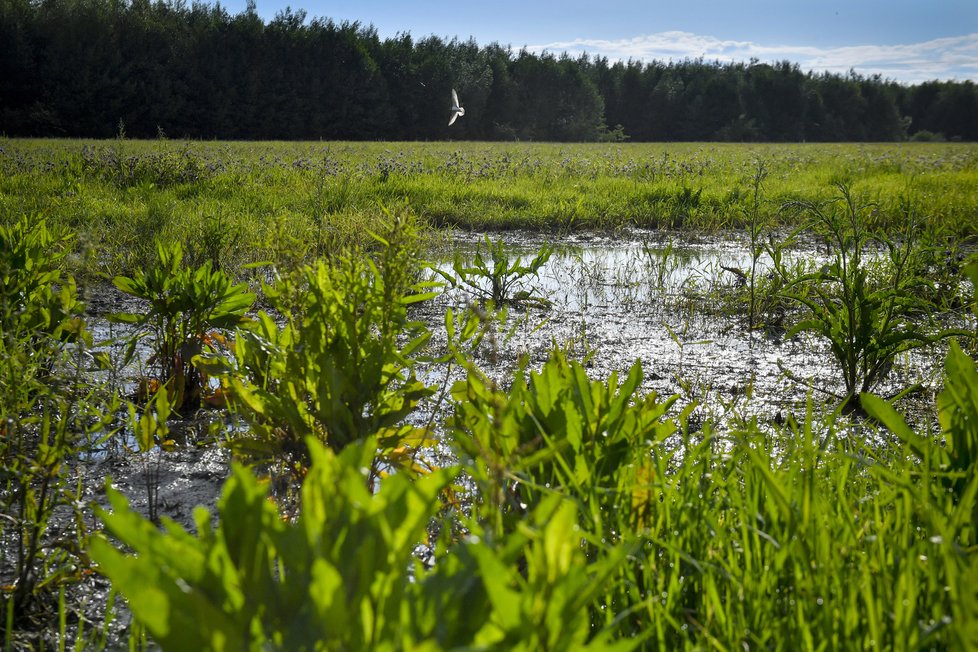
pixel 242 198
pixel 598 521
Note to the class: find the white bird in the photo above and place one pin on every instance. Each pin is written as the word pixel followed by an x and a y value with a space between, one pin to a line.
pixel 457 110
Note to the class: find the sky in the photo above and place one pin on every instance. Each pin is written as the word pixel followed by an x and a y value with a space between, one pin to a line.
pixel 906 41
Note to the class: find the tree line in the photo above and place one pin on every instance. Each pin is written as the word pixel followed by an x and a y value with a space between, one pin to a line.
pixel 95 68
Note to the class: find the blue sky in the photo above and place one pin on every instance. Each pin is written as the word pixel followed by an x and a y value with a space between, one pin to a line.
pixel 902 40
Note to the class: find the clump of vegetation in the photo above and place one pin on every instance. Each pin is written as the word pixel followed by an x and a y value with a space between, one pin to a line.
pixel 558 431
pixel 868 309
pixel 341 368
pixel 159 169
pixel 185 306
pixel 50 413
pixel 496 277
pixel 39 307
pixel 757 225
pixel 151 433
pixel 343 575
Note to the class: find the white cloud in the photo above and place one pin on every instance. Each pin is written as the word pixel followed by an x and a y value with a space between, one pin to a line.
pixel 945 58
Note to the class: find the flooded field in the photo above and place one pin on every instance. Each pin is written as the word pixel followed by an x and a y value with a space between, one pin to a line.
pixel 666 300
pixel 673 302
pixel 676 304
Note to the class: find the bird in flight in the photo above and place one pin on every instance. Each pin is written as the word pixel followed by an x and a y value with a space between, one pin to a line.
pixel 457 110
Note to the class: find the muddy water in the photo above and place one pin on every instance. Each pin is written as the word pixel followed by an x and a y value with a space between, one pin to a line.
pixel 663 299
pixel 666 300
pixel 670 302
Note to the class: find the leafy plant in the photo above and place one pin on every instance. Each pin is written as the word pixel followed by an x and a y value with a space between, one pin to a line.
pixel 341 575
pixel 339 370
pixel 48 415
pixel 39 308
pixel 868 312
pixel 184 306
pixel 678 337
pixel 558 431
pixel 496 277
pixel 257 580
pixel 216 239
pixel 756 286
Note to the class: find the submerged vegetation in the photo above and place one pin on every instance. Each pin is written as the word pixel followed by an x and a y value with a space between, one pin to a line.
pixel 390 487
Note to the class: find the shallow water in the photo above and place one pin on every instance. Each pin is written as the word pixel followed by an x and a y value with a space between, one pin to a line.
pixel 666 300
pixel 660 298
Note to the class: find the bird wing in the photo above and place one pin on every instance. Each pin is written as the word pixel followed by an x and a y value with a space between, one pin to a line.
pixel 452 121
pixel 454 99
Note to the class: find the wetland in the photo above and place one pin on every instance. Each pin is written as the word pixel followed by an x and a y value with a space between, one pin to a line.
pixel 583 393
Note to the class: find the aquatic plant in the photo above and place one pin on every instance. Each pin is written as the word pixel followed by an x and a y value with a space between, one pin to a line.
pixel 151 433
pixel 661 263
pixel 160 169
pixel 50 413
pixel 342 574
pixel 757 221
pixel 39 307
pixel 496 277
pixel 185 305
pixel 342 366
pixel 557 431
pixel 867 321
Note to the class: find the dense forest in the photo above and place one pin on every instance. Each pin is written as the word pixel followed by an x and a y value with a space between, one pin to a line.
pixel 95 68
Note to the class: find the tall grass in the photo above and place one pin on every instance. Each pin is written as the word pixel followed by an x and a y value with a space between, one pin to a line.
pixel 230 202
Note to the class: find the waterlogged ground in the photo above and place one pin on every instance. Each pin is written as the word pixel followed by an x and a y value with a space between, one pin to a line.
pixel 671 302
pixel 667 300
pixel 674 303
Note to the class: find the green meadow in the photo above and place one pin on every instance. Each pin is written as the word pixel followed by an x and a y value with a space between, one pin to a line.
pixel 237 199
pixel 386 485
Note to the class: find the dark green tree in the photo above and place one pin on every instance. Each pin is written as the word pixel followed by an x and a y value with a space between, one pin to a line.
pixel 85 68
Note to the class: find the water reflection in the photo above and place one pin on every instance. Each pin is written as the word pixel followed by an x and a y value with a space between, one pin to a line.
pixel 675 303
